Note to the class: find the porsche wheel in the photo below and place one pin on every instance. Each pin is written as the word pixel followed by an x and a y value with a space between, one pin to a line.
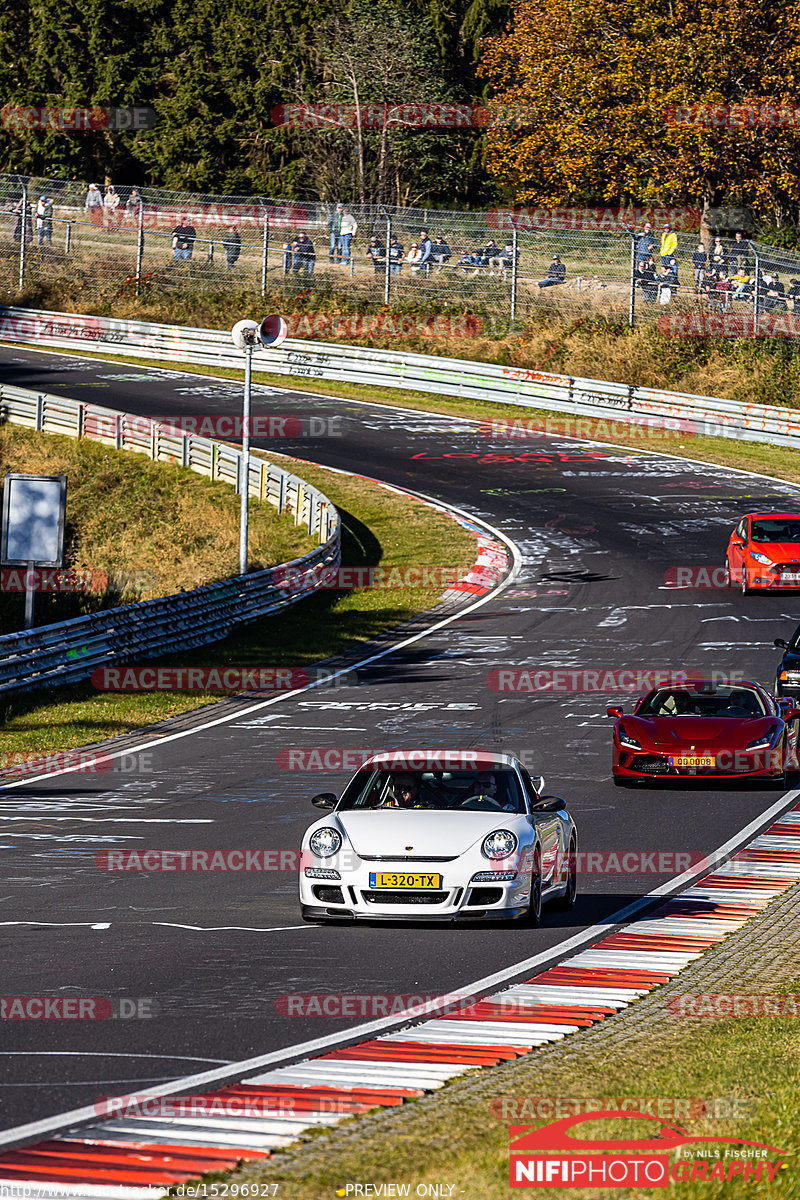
pixel 534 914
pixel 567 901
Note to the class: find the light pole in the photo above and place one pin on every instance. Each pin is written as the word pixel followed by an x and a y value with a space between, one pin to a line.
pixel 250 336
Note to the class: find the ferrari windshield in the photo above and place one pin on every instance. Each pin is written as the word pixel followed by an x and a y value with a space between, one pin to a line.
pixel 776 529
pixel 704 701
pixel 496 790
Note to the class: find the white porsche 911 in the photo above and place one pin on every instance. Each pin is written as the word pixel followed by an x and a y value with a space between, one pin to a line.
pixel 411 840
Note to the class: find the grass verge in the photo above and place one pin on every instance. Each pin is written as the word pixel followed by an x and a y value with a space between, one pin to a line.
pixel 379 526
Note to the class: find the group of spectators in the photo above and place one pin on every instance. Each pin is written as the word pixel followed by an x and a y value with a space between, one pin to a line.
pixel 723 274
pixel 109 209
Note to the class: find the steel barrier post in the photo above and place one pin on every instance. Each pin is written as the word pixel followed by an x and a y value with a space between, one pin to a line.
pixel 139 249
pixel 514 271
pixel 387 287
pixel 264 254
pixel 22 237
pixel 632 298
pixel 756 289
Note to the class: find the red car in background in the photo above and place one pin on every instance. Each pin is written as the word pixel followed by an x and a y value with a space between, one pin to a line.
pixel 706 730
pixel 764 551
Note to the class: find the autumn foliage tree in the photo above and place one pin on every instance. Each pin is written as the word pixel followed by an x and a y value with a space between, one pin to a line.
pixel 601 78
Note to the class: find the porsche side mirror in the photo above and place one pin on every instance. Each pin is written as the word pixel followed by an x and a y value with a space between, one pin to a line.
pixel 614 712
pixel 549 804
pixel 326 800
pixel 780 644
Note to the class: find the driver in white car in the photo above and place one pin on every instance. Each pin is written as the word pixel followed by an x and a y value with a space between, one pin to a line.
pixel 486 785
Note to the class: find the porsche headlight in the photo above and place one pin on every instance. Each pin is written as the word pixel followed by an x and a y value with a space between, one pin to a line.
pixel 629 742
pixel 500 844
pixel 762 558
pixel 325 842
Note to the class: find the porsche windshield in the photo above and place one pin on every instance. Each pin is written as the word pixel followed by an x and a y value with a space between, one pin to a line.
pixel 703 702
pixel 776 529
pixel 496 790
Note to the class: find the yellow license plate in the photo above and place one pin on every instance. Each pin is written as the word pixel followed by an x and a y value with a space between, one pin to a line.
pixel 689 761
pixel 386 879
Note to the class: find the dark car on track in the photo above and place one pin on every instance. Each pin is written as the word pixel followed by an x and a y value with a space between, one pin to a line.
pixel 705 729
pixel 787 676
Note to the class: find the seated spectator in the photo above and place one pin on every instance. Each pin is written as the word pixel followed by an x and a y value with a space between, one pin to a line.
pixel 673 267
pixel 440 252
pixel 490 250
pixel 740 283
pixel 665 282
pixel 303 255
pixel 414 257
pixel 377 253
pixel 775 299
pixel 720 299
pixel 646 279
pixel 793 294
pixel 700 266
pixel 396 256
pixel 556 273
pixel 504 260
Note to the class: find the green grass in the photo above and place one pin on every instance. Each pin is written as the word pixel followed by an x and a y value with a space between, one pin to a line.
pixel 379 526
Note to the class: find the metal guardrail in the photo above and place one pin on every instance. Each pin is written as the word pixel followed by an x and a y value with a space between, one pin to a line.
pixel 488 382
pixel 71 650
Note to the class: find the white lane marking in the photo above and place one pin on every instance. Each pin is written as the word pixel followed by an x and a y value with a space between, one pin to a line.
pixel 46 1127
pixel 244 928
pixel 106 1054
pixel 61 924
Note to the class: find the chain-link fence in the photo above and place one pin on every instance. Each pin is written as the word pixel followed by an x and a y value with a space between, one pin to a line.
pixel 497 266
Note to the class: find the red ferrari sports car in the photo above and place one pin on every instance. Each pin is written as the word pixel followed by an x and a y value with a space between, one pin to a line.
pixel 705 730
pixel 764 551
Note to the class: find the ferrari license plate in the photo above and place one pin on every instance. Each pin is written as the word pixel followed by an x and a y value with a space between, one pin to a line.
pixel 688 760
pixel 387 879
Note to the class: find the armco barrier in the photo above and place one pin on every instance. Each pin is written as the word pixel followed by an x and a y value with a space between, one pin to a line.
pixel 416 372
pixel 70 650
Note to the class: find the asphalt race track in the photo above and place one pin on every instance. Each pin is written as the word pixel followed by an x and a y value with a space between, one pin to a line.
pixel 597 526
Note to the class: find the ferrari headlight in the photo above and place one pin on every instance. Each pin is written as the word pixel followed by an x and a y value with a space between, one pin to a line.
pixel 762 558
pixel 325 842
pixel 631 743
pixel 765 742
pixel 500 844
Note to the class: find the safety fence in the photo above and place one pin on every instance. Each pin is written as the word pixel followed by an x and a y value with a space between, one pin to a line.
pixel 503 264
pixel 489 382
pixel 70 650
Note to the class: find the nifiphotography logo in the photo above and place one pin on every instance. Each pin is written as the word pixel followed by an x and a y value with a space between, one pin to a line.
pixel 633 1162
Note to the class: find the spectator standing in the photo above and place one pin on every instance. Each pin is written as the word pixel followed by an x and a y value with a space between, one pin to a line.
pixel 377 253
pixel 303 255
pixel 17 233
pixel 93 204
pixel 645 243
pixel 700 265
pixel 133 208
pixel 739 253
pixel 669 244
pixel 111 206
pixel 286 260
pixel 414 257
pixel 722 292
pixel 349 225
pixel 183 238
pixel 556 273
pixel 335 232
pixel 396 255
pixel 426 247
pixel 673 268
pixel 44 221
pixel 232 245
pixel 440 252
